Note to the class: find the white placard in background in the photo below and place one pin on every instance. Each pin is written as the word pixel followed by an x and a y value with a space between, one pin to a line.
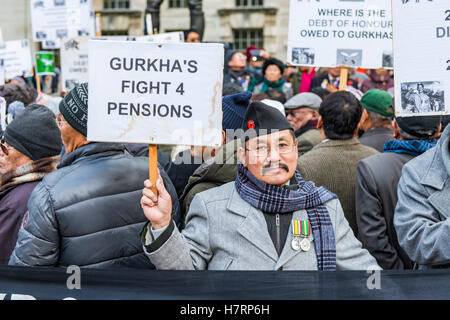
pixel 422 57
pixel 54 19
pixel 2 72
pixel 155 93
pixel 169 37
pixel 74 62
pixel 3 113
pixel 17 57
pixel 354 33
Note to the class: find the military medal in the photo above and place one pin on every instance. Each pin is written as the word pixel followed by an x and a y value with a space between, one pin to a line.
pixel 301 229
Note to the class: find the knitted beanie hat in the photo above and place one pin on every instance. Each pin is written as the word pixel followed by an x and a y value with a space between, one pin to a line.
pixel 234 107
pixel 74 108
pixel 34 133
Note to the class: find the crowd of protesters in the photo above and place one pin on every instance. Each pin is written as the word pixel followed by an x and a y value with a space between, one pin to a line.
pixel 321 179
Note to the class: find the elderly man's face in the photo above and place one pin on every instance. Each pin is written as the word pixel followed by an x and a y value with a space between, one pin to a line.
pixel 271 158
pixel 299 117
pixel 68 134
pixel 11 158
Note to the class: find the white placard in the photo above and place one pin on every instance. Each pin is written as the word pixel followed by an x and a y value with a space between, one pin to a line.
pixel 17 57
pixel 353 33
pixel 3 113
pixel 55 19
pixel 155 93
pixel 422 57
pixel 74 62
pixel 2 72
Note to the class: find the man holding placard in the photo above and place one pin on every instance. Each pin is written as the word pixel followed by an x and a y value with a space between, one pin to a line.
pixel 265 220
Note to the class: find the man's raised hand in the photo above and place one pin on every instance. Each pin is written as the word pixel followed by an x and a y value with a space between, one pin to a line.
pixel 157 209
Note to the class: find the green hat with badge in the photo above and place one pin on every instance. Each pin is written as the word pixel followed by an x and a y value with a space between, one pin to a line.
pixel 378 101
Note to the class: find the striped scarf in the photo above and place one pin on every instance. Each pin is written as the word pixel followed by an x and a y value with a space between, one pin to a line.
pixel 412 147
pixel 33 171
pixel 273 199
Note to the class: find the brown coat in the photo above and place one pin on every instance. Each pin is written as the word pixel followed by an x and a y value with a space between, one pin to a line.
pixel 332 164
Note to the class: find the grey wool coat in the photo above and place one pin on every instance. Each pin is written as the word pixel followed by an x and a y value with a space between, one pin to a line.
pixel 224 232
pixel 422 215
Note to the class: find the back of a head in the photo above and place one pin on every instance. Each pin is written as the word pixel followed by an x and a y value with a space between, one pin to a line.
pixel 34 133
pixel 16 92
pixel 418 127
pixel 340 112
pixel 231 88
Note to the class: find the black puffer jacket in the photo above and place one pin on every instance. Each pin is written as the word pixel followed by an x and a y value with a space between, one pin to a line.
pixel 88 212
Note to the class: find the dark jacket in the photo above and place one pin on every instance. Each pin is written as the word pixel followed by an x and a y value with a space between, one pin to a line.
pixel 13 205
pixel 211 174
pixel 332 164
pixel 88 212
pixel 377 179
pixel 376 137
pixel 183 166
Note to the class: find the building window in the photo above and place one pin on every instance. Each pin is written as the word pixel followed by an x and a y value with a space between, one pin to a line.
pixel 178 3
pixel 243 38
pixel 116 4
pixel 249 3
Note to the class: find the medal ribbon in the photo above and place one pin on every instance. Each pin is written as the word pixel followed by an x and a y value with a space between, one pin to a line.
pixel 301 227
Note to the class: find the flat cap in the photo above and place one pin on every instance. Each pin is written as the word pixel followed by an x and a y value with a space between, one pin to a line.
pixel 305 99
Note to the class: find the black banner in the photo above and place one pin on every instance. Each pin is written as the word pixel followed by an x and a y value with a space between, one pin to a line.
pixel 130 284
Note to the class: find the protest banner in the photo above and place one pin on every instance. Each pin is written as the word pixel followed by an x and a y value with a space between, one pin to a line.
pixel 340 33
pixel 3 113
pixel 55 19
pixel 2 72
pixel 422 65
pixel 17 58
pixel 74 62
pixel 45 63
pixel 155 93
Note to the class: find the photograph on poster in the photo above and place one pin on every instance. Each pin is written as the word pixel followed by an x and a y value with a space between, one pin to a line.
pixel 388 61
pixel 41 35
pixel 303 56
pixel 422 97
pixel 349 57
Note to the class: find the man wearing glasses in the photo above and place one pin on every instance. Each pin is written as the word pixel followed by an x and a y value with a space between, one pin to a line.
pixel 30 149
pixel 269 218
pixel 302 113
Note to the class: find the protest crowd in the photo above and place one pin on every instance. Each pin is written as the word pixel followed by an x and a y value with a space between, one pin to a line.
pixel 319 178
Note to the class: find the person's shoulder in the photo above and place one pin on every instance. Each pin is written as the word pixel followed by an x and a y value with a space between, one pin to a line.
pixel 220 193
pixel 367 151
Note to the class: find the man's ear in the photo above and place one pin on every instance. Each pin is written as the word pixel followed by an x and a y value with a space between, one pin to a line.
pixel 397 135
pixel 241 156
pixel 224 138
pixel 320 123
pixel 438 132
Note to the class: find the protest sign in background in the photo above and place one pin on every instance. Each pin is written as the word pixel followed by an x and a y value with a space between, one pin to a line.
pixel 45 63
pixel 17 58
pixel 54 19
pixel 74 62
pixel 3 113
pixel 422 57
pixel 340 33
pixel 155 93
pixel 2 72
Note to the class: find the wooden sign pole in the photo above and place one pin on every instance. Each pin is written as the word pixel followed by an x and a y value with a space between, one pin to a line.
pixel 38 83
pixel 343 79
pixel 98 24
pixel 153 166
